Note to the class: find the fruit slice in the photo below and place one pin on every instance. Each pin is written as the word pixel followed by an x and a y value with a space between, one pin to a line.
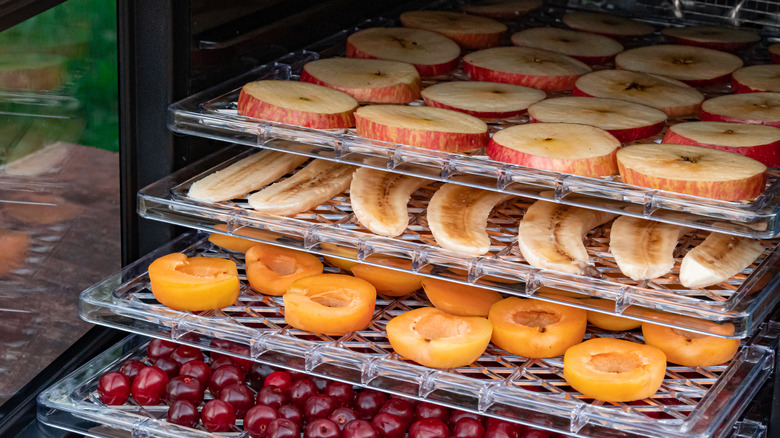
pixel 431 53
pixel 270 269
pixel 388 282
pixel 717 259
pixel 431 128
pixel 536 329
pixel 379 199
pixel 501 9
pixel 436 339
pixel 774 53
pixel 14 245
pixel 711 37
pixel 759 142
pixel 194 284
pixel 332 304
pixel 695 66
pixel 367 80
pixel 482 99
pixel 644 249
pixel 756 78
pixel 244 176
pixel 562 147
pixel 589 48
pixel 692 349
pixel 614 370
pixel 344 264
pixel 627 121
pixel 673 97
pixel 297 103
pixel 759 108
pixel 607 321
pixel 309 187
pixel 459 299
pixel 238 244
pixel 692 170
pixel 550 236
pixel 605 24
pixel 469 31
pixel 525 66
pixel 457 217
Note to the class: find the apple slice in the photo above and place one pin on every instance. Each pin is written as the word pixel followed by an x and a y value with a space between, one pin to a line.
pixel 673 97
pixel 470 31
pixel 297 103
pixel 759 108
pixel 774 53
pixel 367 80
pixel 525 66
pixel 759 142
pixel 695 66
pixel 431 128
pixel 756 78
pixel 627 121
pixel 607 25
pixel 711 37
pixel 482 99
pixel 431 53
pixel 501 9
pixel 692 170
pixel 561 147
pixel 589 48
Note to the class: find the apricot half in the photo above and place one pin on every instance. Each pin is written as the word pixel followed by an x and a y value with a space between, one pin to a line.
pixel 614 370
pixel 272 269
pixel 436 339
pixel 536 329
pixel 238 244
pixel 333 304
pixel 334 249
pixel 459 299
pixel 606 321
pixel 690 349
pixel 388 282
pixel 194 284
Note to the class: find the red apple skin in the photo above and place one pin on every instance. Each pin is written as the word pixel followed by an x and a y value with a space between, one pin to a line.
pixel 697 83
pixel 738 87
pixel 544 83
pixel 594 60
pixel 477 41
pixel 631 134
pixel 435 140
pixel 479 114
pixel 596 167
pixel 747 188
pixel 398 93
pixel 705 116
pixel 722 46
pixel 252 107
pixel 767 154
pixel 424 70
pixel 670 111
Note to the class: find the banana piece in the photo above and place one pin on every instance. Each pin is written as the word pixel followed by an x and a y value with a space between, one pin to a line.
pixel 379 199
pixel 717 259
pixel 644 249
pixel 244 176
pixel 457 217
pixel 316 183
pixel 550 236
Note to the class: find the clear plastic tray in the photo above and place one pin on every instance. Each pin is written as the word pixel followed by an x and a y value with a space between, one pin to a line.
pixel 743 301
pixel 692 402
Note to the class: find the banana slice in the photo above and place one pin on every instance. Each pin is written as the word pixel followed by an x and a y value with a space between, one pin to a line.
pixel 457 217
pixel 717 259
pixel 316 183
pixel 550 236
pixel 244 176
pixel 644 249
pixel 379 199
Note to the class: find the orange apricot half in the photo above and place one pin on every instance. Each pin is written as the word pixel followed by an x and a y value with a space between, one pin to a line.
pixel 333 304
pixel 194 284
pixel 691 349
pixel 536 329
pixel 388 282
pixel 238 244
pixel 436 339
pixel 344 264
pixel 614 370
pixel 459 299
pixel 606 321
pixel 272 269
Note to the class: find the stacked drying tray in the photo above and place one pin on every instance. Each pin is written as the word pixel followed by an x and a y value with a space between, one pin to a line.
pixel 692 401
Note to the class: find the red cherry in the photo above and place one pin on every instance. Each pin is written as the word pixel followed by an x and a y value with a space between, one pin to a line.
pixel 272 396
pixel 158 348
pixel 321 428
pixel 429 410
pixel 389 425
pixel 429 428
pixel 183 413
pixel 218 416
pixel 502 430
pixel 197 369
pixel 342 392
pixel 291 412
pixel 257 374
pixel 535 433
pixel 368 403
pixel 224 376
pixel 456 415
pixel 221 361
pixel 319 406
pixel 359 429
pixel 468 427
pixel 492 420
pixel 234 348
pixel 341 416
pixel 257 420
pixel 131 367
pixel 114 388
pixel 282 428
pixel 400 407
pixel 184 388
pixel 170 366
pixel 239 396
pixel 301 390
pixel 185 353
pixel 148 388
pixel 281 379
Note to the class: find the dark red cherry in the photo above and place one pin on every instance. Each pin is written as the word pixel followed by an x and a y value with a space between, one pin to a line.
pixel 239 396
pixel 184 388
pixel 468 427
pixel 158 348
pixel 456 415
pixel 281 379
pixel 257 419
pixel 502 430
pixel 224 376
pixel 218 416
pixel 272 396
pixel 183 413
pixel 400 407
pixel 321 383
pixel 114 388
pixel 131 367
pixel 429 410
pixel 221 361
pixel 535 433
pixel 170 366
pixel 185 353
pixel 282 428
pixel 197 369
pixel 429 428
pixel 359 429
pixel 343 415
pixel 319 406
pixel 257 374
pixel 232 347
pixel 301 390
pixel 389 425
pixel 321 428
pixel 292 413
pixel 342 392
pixel 368 403
pixel 148 387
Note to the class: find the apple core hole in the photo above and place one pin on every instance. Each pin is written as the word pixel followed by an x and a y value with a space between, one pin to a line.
pixel 615 362
pixel 535 319
pixel 438 326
